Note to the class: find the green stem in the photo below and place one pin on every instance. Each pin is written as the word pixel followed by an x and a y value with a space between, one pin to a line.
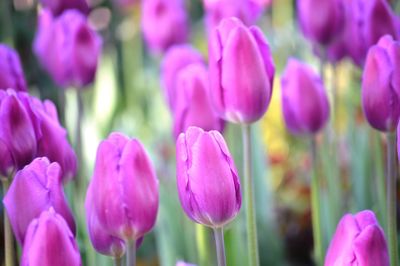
pixel 131 254
pixel 219 243
pixel 391 197
pixel 315 206
pixel 117 261
pixel 78 136
pixel 252 245
pixel 202 244
pixel 8 236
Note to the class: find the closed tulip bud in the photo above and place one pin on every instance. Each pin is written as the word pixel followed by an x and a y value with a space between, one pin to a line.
pixel 176 58
pixel 358 240
pixel 164 23
pixel 304 101
pixel 208 183
pixel 241 71
pixel 59 6
pixel 381 85
pixel 11 72
pixel 124 173
pixel 193 106
pixel 34 189
pixel 67 48
pixel 49 242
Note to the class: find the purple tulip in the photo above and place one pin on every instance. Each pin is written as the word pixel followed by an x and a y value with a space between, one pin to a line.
pixel 176 58
pixel 208 183
pixel 67 48
pixel 123 173
pixel 36 188
pixel 381 85
pixel 304 101
pixel 59 6
pixel 193 106
pixel 11 72
pixel 50 242
pixel 241 71
pixel 358 240
pixel 164 23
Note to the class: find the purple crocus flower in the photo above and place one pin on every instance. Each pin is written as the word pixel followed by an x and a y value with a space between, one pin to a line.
pixel 11 72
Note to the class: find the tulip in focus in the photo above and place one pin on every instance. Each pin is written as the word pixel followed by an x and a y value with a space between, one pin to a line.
pixel 59 6
pixel 358 240
pixel 208 183
pixel 36 188
pixel 50 242
pixel 11 72
pixel 241 71
pixel 304 101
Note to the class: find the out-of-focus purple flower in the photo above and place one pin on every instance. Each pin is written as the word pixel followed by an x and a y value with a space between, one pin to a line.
pixel 49 242
pixel 59 6
pixel 67 48
pixel 208 183
pixel 358 240
pixel 175 59
pixel 241 71
pixel 11 72
pixel 380 86
pixel 182 263
pixel 164 23
pixel 36 188
pixel 193 105
pixel 304 101
pixel 123 172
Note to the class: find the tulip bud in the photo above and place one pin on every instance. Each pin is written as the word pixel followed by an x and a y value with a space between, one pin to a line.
pixel 34 189
pixel 50 242
pixel 241 71
pixel 11 72
pixel 381 85
pixel 123 172
pixel 59 6
pixel 208 183
pixel 164 23
pixel 358 240
pixel 193 106
pixel 176 58
pixel 304 101
pixel 67 48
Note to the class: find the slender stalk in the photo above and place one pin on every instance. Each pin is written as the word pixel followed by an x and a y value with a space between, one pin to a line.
pixel 8 236
pixel 78 135
pixel 251 226
pixel 391 197
pixel 117 261
pixel 315 206
pixel 131 254
pixel 202 244
pixel 219 243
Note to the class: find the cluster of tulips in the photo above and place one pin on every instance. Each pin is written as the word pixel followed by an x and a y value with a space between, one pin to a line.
pixel 235 86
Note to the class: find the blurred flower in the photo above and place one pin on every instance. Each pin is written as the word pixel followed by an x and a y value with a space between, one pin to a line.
pixel 11 72
pixel 208 183
pixel 176 58
pixel 241 71
pixel 50 242
pixel 36 188
pixel 182 263
pixel 123 173
pixel 164 23
pixel 193 106
pixel 381 85
pixel 67 48
pixel 59 6
pixel 304 101
pixel 358 240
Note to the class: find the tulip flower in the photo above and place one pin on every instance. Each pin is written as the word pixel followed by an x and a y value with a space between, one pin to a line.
pixel 67 48
pixel 49 242
pixel 59 6
pixel 381 85
pixel 164 23
pixel 175 59
pixel 304 101
pixel 358 240
pixel 241 71
pixel 36 188
pixel 11 72
pixel 193 106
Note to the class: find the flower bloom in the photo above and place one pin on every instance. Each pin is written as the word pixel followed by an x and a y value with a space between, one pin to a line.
pixel 11 72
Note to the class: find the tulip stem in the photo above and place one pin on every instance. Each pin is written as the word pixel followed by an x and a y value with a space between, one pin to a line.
pixel 131 254
pixel 219 243
pixel 251 226
pixel 315 205
pixel 8 237
pixel 117 261
pixel 78 132
pixel 391 197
